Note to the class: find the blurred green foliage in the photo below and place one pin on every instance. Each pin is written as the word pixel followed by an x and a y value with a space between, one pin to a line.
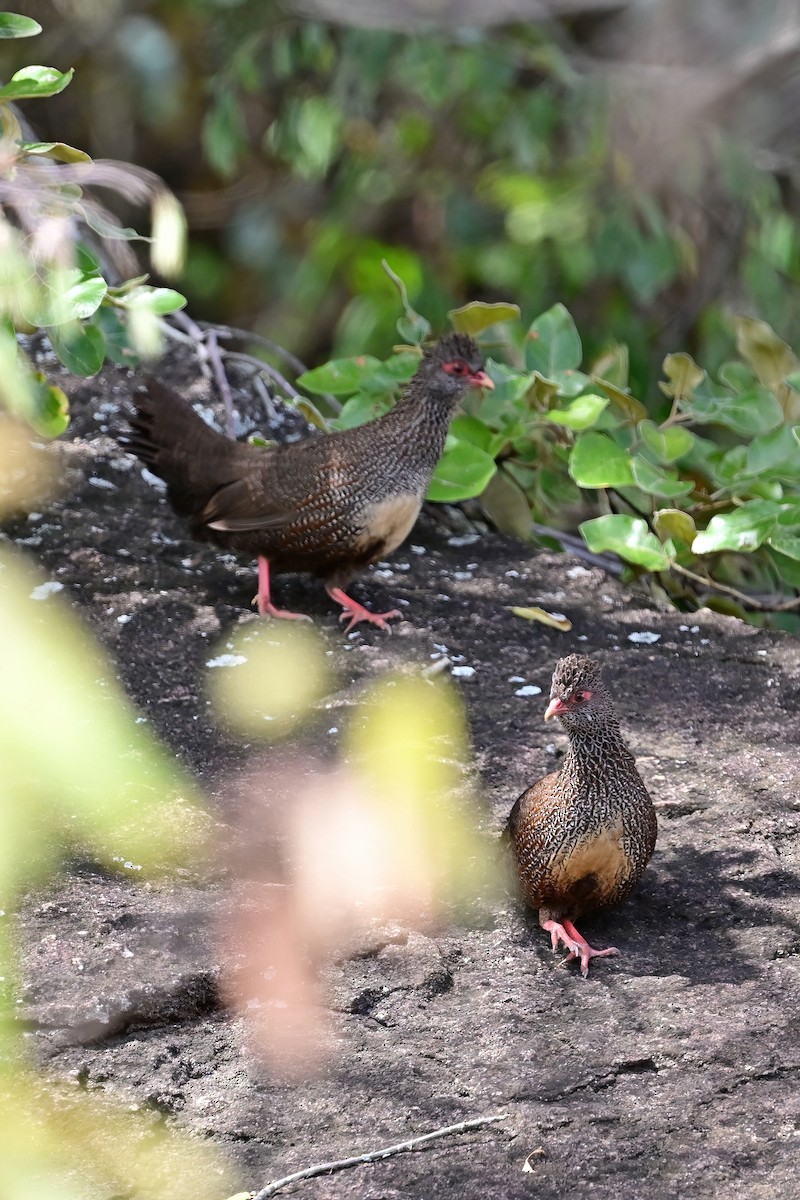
pixel 50 277
pixel 483 163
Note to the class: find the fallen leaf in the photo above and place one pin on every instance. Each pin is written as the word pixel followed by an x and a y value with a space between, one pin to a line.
pixel 555 620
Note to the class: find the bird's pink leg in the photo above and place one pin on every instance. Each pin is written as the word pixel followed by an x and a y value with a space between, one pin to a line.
pixel 265 606
pixel 565 933
pixel 356 612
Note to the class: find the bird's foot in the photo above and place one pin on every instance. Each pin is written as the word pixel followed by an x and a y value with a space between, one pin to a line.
pixel 262 597
pixel 267 609
pixel 357 613
pixel 564 933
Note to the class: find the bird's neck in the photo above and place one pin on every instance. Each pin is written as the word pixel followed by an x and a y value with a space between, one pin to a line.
pixel 424 421
pixel 595 752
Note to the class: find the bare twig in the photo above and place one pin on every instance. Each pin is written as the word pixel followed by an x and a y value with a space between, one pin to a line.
pixel 342 1164
pixel 743 598
pixel 258 364
pixel 215 358
pixel 226 332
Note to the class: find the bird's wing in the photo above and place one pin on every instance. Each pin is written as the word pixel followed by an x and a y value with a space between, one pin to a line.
pixel 235 508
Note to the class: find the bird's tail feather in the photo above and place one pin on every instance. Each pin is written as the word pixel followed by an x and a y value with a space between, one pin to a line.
pixel 176 444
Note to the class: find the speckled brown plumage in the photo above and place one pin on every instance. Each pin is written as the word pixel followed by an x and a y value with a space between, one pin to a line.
pixel 582 836
pixel 329 505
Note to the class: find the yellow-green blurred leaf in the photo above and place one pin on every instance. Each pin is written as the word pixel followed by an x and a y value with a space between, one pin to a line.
pixel 476 316
pixel 266 677
pixel 554 620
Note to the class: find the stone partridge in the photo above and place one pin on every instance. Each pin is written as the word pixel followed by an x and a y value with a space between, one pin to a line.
pixel 330 504
pixel 582 836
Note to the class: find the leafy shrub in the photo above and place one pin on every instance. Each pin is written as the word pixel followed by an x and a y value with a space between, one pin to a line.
pixel 704 496
pixel 52 276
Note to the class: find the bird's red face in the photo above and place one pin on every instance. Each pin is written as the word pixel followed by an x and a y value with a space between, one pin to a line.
pixel 462 370
pixel 571 703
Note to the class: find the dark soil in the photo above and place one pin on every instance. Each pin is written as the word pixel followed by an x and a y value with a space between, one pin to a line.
pixel 673 1071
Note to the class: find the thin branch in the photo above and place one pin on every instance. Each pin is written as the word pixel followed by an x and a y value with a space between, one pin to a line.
pixel 259 364
pixel 244 335
pixel 224 387
pixel 743 598
pixel 342 1164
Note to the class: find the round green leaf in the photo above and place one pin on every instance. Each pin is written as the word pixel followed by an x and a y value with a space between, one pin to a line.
pixel 340 377
pixel 14 26
pixel 668 443
pixel 785 543
pixel 82 299
pixel 360 408
pixel 628 537
pixel 751 413
pixel 769 356
pixel 673 523
pixel 683 374
pixel 552 343
pixel 473 318
pixel 463 471
pixel 82 352
pixel 744 529
pixel 507 506
pixel 633 409
pixel 32 82
pixel 157 300
pixel 596 461
pixel 579 414
pixel 657 482
pixel 51 409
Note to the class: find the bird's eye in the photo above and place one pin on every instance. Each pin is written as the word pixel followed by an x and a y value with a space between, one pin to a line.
pixel 456 368
pixel 582 697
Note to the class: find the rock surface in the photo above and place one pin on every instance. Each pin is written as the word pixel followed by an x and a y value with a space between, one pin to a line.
pixel 673 1071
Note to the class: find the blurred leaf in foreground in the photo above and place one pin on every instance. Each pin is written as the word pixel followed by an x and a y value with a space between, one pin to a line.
pixel 78 769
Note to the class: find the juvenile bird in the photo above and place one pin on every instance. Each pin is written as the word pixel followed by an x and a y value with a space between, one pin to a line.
pixel 582 836
pixel 331 504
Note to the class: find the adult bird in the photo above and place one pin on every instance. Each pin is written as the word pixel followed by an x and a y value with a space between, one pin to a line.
pixel 581 837
pixel 329 505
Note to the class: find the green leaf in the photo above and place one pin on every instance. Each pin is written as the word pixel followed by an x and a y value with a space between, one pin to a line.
pixel 115 334
pixel 463 471
pixel 633 409
pixel 476 316
pixel 656 482
pixel 775 453
pixel 413 328
pixel 110 229
pixel 749 414
pixel 668 443
pixel 613 365
pixel 596 461
pixel 82 298
pixel 362 407
pixel 471 429
pixel 340 376
pixel 157 300
pixel 683 374
pixel 628 537
pixel 768 355
pixel 51 408
pixel 743 529
pixel 579 414
pixel 59 151
pixel 552 343
pixel 32 82
pixel 14 26
pixel 82 351
pixel 785 543
pixel 673 523
pixel 506 505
